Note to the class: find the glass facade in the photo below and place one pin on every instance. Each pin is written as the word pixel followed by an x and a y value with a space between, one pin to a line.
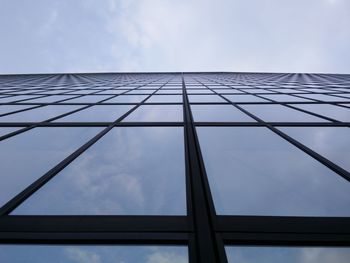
pixel 175 167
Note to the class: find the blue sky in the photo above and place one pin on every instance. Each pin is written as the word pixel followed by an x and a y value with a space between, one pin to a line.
pixel 185 35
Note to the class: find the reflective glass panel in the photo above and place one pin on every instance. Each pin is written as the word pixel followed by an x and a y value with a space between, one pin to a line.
pixel 205 98
pixel 50 99
pixel 257 91
pixel 330 142
pixel 331 111
pixel 284 98
pixel 253 171
pixel 92 254
pixel 261 254
pixel 323 97
pixel 127 99
pixel 99 113
pixel 27 156
pixel 88 99
pixel 143 91
pixel 39 114
pixel 280 113
pixel 219 113
pixel 244 98
pixel 17 98
pixel 10 108
pixel 172 91
pixel 130 171
pixel 199 91
pixel 155 113
pixel 165 98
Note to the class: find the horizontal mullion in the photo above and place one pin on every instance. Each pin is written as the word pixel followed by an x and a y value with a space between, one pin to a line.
pixel 115 238
pixel 88 223
pixel 283 224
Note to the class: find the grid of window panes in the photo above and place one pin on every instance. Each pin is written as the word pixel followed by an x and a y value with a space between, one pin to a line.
pixel 175 167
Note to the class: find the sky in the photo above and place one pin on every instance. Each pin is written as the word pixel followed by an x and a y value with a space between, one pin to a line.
pixel 165 35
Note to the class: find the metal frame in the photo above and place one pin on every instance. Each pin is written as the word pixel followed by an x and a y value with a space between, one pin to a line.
pixel 204 232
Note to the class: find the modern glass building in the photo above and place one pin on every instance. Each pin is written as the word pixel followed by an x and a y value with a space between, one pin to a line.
pixel 175 167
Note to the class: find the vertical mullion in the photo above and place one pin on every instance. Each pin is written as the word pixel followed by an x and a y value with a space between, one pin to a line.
pixel 203 212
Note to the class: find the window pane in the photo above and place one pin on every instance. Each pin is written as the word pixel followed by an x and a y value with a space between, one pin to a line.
pixel 172 91
pixel 283 98
pixel 130 171
pixel 279 113
pixel 92 254
pixel 19 97
pixel 323 97
pixel 244 98
pixel 161 113
pixel 205 98
pixel 98 113
pixel 248 168
pixel 199 91
pixel 39 114
pixel 10 108
pixel 218 113
pixel 143 91
pixel 331 142
pixel 88 99
pixel 50 99
pixel 127 99
pixel 331 111
pixel 27 156
pixel 260 254
pixel 165 98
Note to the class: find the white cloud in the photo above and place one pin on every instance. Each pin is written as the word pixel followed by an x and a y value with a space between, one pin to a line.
pixel 166 257
pixel 79 255
pixel 324 255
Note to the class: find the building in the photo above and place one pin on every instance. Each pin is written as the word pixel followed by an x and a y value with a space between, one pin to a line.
pixel 175 167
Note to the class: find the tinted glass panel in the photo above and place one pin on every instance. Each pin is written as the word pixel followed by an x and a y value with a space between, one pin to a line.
pixel 37 151
pixel 283 98
pixel 218 113
pixel 279 113
pixel 331 142
pixel 39 114
pixel 88 99
pixel 249 167
pixel 10 108
pixel 130 171
pixel 17 98
pixel 98 113
pixel 127 99
pixel 205 98
pixel 323 97
pixel 161 113
pixel 49 99
pixel 244 98
pixel 331 111
pixel 247 254
pixel 92 254
pixel 165 98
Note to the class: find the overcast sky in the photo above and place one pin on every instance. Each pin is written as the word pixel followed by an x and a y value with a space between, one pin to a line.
pixel 166 35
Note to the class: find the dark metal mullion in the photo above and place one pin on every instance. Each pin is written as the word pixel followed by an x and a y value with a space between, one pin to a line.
pixel 334 167
pixel 203 208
